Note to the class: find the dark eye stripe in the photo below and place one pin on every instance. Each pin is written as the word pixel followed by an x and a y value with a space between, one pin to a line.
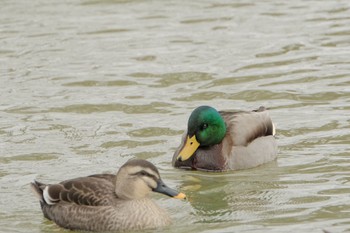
pixel 144 173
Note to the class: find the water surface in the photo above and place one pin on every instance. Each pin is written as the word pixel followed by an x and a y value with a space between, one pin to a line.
pixel 89 84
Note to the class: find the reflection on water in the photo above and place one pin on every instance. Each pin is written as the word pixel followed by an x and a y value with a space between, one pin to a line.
pixel 89 84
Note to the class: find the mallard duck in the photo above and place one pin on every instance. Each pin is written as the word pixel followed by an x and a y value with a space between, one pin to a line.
pixel 106 202
pixel 226 140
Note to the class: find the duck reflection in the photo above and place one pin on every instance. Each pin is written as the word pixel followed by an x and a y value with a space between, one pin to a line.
pixel 229 196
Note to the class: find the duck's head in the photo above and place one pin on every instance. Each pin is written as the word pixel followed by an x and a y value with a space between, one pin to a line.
pixel 205 127
pixel 137 178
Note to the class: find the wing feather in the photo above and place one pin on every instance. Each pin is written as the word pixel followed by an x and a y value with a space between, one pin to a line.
pixel 244 127
pixel 95 190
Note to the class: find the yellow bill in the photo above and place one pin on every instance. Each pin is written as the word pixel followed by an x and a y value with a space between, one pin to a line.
pixel 180 196
pixel 188 150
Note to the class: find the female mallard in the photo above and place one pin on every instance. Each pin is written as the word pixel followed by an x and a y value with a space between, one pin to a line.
pixel 218 141
pixel 106 202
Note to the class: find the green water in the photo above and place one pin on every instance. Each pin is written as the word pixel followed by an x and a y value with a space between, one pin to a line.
pixel 88 84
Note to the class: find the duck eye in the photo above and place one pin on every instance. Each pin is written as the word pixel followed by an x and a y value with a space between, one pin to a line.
pixel 204 126
pixel 143 173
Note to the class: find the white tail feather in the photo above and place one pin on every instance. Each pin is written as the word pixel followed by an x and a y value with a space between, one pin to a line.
pixel 47 197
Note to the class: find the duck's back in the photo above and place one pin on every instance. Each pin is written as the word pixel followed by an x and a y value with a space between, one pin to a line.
pixel 250 139
pixel 244 127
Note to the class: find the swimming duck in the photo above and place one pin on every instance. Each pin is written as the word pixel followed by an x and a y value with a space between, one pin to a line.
pixel 106 202
pixel 226 140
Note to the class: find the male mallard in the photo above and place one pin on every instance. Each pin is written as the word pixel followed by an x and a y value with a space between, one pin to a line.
pixel 106 202
pixel 219 141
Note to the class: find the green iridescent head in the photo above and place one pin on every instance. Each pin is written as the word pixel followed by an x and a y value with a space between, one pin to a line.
pixel 207 125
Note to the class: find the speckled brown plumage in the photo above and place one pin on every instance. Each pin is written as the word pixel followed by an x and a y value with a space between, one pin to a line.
pixel 106 202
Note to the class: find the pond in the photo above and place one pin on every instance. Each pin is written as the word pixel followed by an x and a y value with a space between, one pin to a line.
pixel 90 84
